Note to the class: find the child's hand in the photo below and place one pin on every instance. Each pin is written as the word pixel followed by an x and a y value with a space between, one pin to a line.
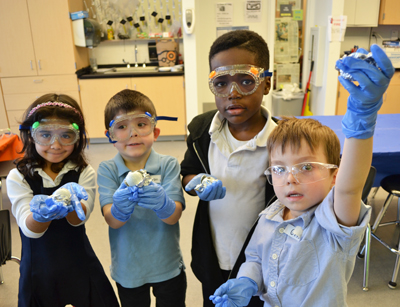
pixel 153 197
pixel 45 209
pixel 213 191
pixel 125 199
pixel 235 293
pixel 365 99
pixel 77 194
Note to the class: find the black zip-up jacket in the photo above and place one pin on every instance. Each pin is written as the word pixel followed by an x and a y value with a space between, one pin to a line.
pixel 204 258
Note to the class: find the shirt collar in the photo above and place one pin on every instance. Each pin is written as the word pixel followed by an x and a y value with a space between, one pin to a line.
pixel 66 168
pixel 152 164
pixel 260 140
pixel 275 213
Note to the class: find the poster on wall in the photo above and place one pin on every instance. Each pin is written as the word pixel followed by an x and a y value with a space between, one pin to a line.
pixel 337 28
pixel 295 4
pixel 252 11
pixel 286 40
pixel 287 74
pixel 224 14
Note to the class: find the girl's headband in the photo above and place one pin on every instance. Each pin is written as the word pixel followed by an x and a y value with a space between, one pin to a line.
pixel 57 104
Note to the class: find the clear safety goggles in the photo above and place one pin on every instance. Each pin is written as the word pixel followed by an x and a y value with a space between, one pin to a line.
pixel 123 127
pixel 304 173
pixel 243 78
pixel 47 131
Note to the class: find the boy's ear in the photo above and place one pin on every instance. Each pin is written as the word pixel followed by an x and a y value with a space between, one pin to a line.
pixel 267 85
pixel 334 177
pixel 156 133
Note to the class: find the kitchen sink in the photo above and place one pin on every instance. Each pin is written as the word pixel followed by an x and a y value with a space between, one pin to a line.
pixel 132 70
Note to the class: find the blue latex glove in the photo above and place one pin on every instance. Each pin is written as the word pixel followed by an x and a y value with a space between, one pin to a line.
pixel 45 209
pixel 235 293
pixel 153 197
pixel 78 193
pixel 213 191
pixel 365 99
pixel 125 199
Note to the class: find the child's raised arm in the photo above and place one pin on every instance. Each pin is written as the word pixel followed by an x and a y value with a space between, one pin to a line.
pixel 358 126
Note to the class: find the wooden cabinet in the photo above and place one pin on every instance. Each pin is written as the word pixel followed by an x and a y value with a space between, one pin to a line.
pixel 19 93
pixel 3 115
pixel 390 98
pixel 361 13
pixel 38 38
pixel 167 94
pixel 37 53
pixel 389 13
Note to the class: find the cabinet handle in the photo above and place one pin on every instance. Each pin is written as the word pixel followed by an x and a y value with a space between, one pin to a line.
pixel 40 67
pixel 37 80
pixel 31 65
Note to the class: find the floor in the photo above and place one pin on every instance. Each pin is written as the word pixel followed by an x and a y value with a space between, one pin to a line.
pixel 382 261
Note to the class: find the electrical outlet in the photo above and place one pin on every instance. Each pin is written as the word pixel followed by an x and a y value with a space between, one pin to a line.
pixel 394 35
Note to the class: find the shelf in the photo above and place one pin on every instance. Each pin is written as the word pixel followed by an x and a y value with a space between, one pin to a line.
pixel 114 41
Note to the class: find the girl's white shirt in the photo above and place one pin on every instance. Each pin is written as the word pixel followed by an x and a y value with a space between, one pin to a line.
pixel 20 193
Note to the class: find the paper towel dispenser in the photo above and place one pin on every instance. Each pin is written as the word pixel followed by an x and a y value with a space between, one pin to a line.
pixel 87 32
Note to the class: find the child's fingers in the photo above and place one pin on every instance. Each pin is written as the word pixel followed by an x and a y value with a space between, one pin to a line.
pixel 349 86
pixel 362 50
pixel 79 212
pixel 382 60
pixel 190 186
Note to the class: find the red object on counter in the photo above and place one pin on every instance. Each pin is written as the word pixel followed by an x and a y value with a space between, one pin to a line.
pixel 10 146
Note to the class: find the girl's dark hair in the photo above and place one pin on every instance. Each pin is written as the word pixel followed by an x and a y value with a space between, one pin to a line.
pixel 127 101
pixel 32 159
pixel 242 39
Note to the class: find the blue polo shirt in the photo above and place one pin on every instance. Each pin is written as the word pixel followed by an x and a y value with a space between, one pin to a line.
pixel 145 249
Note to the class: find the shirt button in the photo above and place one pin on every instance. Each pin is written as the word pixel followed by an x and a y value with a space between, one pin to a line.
pixel 272 284
pixel 274 256
pixel 281 230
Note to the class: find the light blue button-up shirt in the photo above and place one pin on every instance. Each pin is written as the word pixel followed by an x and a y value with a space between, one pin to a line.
pixel 312 271
pixel 145 249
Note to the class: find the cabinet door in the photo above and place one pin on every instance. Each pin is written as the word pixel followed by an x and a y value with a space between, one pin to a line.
pixel 390 98
pixel 168 96
pixel 350 11
pixel 389 13
pixel 52 36
pixel 3 115
pixel 367 13
pixel 17 57
pixel 95 93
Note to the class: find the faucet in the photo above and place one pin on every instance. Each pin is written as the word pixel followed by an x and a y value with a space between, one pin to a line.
pixel 127 63
pixel 136 52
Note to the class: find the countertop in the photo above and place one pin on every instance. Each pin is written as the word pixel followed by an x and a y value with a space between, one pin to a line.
pixel 96 75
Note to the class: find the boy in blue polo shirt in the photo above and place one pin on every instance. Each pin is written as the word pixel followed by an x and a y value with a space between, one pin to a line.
pixel 303 250
pixel 144 229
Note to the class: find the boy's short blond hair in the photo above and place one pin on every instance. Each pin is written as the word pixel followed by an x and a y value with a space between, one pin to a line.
pixel 127 101
pixel 291 131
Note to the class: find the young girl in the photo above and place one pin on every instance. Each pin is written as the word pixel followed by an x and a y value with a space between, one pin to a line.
pixel 58 264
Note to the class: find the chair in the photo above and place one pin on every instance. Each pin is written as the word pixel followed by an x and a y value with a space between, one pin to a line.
pixel 5 241
pixel 364 197
pixel 390 184
pixel 5 225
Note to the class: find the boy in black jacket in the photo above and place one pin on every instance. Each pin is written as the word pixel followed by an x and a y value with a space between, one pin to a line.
pixel 224 145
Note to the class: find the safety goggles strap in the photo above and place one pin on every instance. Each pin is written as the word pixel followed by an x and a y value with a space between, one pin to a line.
pixel 166 118
pixel 109 138
pixel 266 74
pixel 22 127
